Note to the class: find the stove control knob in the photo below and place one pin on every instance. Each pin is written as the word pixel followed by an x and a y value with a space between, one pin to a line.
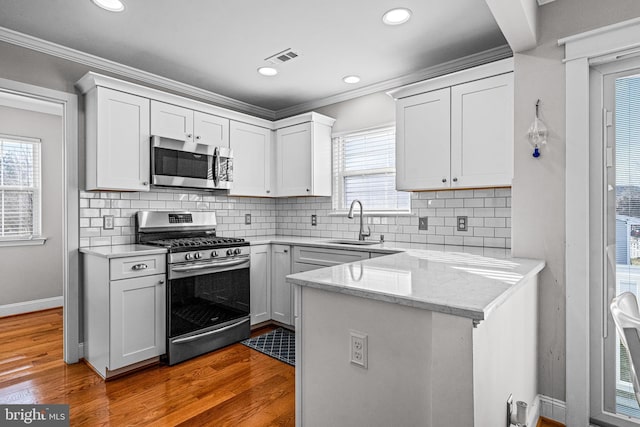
pixel 214 254
pixel 197 255
pixel 229 252
pixel 188 257
pixel 237 251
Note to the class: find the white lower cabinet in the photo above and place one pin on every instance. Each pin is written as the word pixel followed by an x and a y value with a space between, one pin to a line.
pixel 260 284
pixel 281 295
pixel 124 318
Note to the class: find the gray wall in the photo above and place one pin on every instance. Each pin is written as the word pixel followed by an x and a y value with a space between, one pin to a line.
pixel 35 272
pixel 538 191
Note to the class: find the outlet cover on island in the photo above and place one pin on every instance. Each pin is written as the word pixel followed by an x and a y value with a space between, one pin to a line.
pixel 358 346
pixel 247 219
pixel 423 223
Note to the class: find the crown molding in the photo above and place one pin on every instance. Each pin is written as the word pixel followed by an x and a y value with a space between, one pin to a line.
pixel 63 52
pixel 481 58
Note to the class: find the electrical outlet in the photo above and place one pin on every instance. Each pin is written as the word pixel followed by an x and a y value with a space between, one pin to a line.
pixel 314 220
pixel 423 223
pixel 358 347
pixel 247 219
pixel 462 223
pixel 107 222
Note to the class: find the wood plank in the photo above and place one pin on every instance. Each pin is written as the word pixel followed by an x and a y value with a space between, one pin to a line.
pixel 232 386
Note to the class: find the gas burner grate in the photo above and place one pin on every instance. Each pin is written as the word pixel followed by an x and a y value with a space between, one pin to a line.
pixel 195 242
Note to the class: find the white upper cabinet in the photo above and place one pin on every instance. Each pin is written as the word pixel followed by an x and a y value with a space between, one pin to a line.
pixel 456 131
pixel 482 132
pixel 117 141
pixel 303 158
pixel 252 158
pixel 184 124
pixel 210 130
pixel 423 138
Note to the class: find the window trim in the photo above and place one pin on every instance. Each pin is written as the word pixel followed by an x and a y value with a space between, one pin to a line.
pixel 338 189
pixel 33 239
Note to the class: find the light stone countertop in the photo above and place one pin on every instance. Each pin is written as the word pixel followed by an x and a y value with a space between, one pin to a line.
pixel 447 281
pixel 121 251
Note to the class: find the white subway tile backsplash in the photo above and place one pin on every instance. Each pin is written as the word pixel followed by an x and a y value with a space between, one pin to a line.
pixel 488 216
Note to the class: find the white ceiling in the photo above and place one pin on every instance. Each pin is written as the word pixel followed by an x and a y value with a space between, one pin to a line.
pixel 218 45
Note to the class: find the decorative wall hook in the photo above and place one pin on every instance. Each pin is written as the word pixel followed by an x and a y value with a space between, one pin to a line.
pixel 537 133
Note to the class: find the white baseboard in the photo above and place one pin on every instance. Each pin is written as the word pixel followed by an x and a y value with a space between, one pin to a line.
pixel 29 306
pixel 553 409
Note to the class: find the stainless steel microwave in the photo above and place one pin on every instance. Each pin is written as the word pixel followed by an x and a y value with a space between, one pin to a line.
pixel 176 163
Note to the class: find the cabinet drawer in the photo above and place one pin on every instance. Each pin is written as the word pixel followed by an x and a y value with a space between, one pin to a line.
pixel 326 257
pixel 300 267
pixel 125 268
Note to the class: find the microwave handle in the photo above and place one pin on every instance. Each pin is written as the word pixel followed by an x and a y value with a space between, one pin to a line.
pixel 216 168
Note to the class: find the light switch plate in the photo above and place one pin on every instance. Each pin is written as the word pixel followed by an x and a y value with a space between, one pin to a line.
pixel 247 219
pixel 423 223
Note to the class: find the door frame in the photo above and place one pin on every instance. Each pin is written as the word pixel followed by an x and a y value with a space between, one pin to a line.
pixel 70 222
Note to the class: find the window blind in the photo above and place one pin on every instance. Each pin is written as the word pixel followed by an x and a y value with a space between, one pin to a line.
pixel 19 188
pixel 364 168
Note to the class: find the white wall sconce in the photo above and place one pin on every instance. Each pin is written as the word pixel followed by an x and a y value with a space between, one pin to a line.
pixel 537 133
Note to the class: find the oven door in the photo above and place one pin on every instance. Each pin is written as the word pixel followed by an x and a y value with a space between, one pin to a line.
pixel 181 164
pixel 207 307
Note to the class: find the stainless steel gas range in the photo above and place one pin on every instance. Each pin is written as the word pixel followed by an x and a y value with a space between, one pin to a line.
pixel 207 281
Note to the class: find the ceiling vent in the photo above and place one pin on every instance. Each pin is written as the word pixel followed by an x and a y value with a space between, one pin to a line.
pixel 282 57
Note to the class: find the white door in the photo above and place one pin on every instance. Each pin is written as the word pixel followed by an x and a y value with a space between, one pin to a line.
pixel 482 132
pixel 260 283
pixel 137 320
pixel 123 148
pixel 171 121
pixel 211 130
pixel 423 140
pixel 615 269
pixel 293 165
pixel 251 147
pixel 281 301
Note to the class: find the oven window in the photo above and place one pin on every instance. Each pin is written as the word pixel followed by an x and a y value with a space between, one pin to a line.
pixel 182 164
pixel 202 301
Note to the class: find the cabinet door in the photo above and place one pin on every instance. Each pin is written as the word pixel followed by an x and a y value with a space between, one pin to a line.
pixel 210 130
pixel 482 132
pixel 137 320
pixel 171 121
pixel 281 301
pixel 251 147
pixel 423 141
pixel 260 283
pixel 293 161
pixel 121 151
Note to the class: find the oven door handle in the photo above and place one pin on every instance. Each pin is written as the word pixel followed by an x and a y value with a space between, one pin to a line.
pixel 210 265
pixel 205 334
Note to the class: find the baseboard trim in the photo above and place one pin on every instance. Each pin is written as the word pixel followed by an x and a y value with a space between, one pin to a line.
pixel 30 306
pixel 553 409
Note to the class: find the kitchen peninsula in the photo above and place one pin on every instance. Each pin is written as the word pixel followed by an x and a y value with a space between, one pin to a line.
pixel 447 336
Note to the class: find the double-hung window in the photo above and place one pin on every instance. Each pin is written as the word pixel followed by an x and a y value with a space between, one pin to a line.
pixel 364 168
pixel 19 188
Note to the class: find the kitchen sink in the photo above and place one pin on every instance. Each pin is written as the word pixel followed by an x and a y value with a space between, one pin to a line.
pixel 354 242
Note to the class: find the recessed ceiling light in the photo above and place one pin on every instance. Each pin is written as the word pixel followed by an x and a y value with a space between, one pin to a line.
pixel 351 79
pixel 267 71
pixel 396 16
pixel 110 5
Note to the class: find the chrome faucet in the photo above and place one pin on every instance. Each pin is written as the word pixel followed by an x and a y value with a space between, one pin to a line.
pixel 361 234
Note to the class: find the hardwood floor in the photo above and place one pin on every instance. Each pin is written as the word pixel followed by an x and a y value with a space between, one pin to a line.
pixel 235 386
pixel 543 422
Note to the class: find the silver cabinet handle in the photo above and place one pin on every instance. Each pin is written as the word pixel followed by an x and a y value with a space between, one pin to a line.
pixel 286 251
pixel 189 136
pixel 268 191
pixel 444 179
pixel 308 190
pixel 145 183
pixel 197 136
pixel 216 331
pixel 161 282
pixel 139 267
pixel 455 179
